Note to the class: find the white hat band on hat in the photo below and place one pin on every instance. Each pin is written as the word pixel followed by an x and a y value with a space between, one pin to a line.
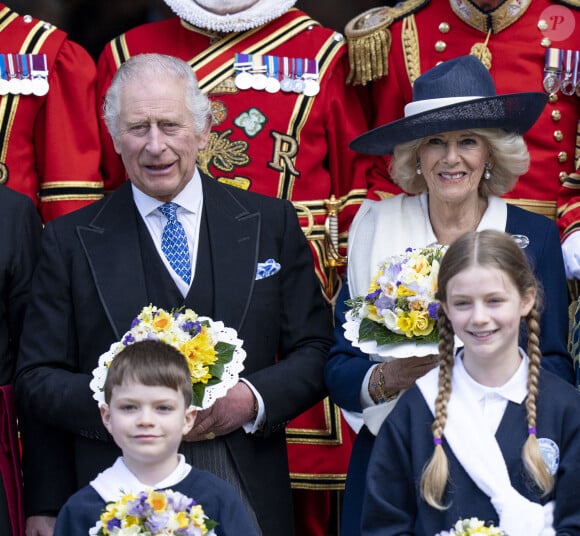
pixel 417 107
pixel 457 94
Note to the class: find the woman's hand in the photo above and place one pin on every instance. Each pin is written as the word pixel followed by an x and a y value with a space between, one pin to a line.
pixel 391 377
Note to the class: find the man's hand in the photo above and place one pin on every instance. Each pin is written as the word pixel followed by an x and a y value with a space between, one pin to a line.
pixel 226 415
pixel 40 525
pixel 571 253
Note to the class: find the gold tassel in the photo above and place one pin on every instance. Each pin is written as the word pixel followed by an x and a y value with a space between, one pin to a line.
pixel 368 57
pixel 481 52
pixel 369 42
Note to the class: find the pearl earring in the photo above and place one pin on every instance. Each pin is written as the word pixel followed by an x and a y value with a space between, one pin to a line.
pixel 487 172
pixel 418 170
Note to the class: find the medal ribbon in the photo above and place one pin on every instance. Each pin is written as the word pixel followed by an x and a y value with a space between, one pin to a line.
pixel 552 69
pixel 11 70
pixel 311 70
pixel 257 64
pixel 23 61
pixel 39 66
pixel 272 66
pixel 553 60
pixel 568 85
pixel 3 73
pixel 242 62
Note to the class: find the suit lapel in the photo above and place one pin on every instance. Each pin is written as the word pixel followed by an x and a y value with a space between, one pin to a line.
pixel 111 244
pixel 234 234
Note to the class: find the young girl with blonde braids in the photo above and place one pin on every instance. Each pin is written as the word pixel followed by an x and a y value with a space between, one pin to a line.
pixel 489 434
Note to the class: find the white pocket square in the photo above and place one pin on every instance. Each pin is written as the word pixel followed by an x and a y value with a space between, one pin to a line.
pixel 267 268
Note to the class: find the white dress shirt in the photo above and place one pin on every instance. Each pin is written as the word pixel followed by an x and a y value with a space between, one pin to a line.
pixel 190 201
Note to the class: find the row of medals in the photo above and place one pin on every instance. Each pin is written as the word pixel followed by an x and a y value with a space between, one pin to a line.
pixel 24 86
pixel 261 82
pixel 562 75
pixel 23 74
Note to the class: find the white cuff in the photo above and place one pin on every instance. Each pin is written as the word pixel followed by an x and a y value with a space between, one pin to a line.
pixel 253 427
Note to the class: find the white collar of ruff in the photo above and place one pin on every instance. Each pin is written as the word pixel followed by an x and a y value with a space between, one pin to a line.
pixel 260 13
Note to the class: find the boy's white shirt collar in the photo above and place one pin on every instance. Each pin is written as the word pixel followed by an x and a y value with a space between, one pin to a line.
pixel 118 480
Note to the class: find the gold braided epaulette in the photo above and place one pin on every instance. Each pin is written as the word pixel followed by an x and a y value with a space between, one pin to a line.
pixel 369 40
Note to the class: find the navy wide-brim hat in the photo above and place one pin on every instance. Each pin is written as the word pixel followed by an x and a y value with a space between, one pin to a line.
pixel 457 94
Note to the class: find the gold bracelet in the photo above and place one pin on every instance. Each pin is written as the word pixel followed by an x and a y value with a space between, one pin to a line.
pixel 377 392
pixel 383 396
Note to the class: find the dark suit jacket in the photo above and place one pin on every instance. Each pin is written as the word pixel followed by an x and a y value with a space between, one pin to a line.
pixel 20 229
pixel 91 283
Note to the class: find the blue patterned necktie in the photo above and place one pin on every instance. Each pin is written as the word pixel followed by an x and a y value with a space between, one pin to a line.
pixel 174 242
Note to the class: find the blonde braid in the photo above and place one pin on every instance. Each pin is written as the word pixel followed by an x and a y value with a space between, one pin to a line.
pixel 436 471
pixel 531 453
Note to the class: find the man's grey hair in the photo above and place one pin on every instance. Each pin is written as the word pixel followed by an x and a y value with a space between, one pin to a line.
pixel 153 68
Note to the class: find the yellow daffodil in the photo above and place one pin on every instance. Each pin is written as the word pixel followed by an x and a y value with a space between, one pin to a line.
pixel 158 501
pixel 404 292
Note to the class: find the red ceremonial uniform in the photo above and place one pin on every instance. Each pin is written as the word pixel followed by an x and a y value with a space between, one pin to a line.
pixel 49 144
pixel 513 38
pixel 281 144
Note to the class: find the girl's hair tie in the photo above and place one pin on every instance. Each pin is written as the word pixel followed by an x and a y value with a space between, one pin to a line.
pixel 532 430
pixel 436 441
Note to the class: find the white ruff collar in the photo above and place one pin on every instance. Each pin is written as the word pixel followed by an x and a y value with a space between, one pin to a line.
pixel 117 480
pixel 260 13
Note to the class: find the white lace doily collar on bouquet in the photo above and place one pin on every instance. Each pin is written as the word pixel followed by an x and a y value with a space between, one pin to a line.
pixel 377 352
